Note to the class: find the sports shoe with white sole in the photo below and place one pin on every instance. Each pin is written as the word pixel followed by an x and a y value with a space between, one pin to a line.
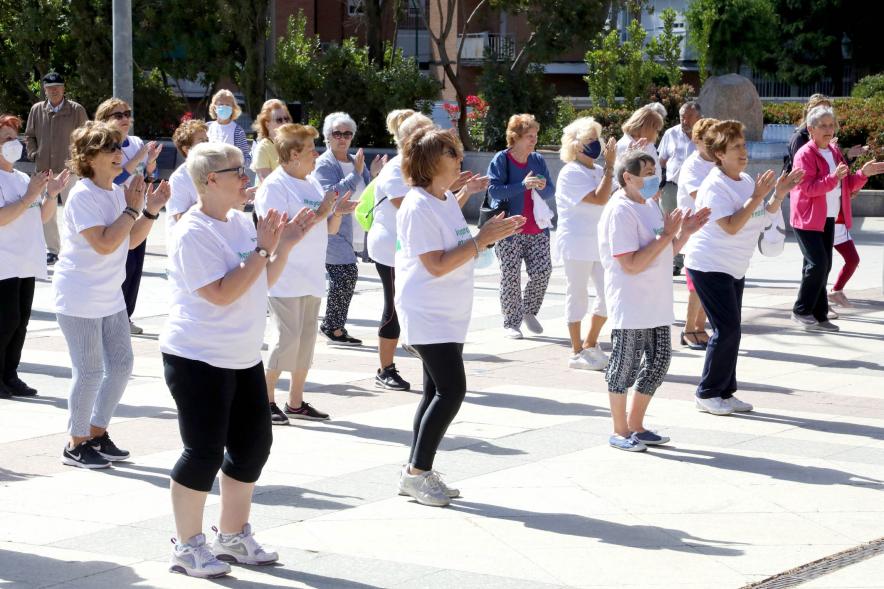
pixel 83 455
pixel 714 405
pixel 650 438
pixel 241 548
pixel 597 359
pixel 426 488
pixel 512 333
pixel 738 405
pixel 629 444
pixel 805 321
pixel 530 321
pixel 107 449
pixel 450 491
pixel 194 559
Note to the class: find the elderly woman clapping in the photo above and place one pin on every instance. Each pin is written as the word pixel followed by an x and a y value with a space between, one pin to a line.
pixel 220 267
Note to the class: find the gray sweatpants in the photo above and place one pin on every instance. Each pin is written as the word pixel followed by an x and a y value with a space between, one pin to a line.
pixel 101 357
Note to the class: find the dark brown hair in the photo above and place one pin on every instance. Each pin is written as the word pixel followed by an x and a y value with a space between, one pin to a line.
pixel 423 151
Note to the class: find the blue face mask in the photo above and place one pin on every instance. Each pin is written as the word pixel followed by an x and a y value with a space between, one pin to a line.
pixel 223 112
pixel 593 149
pixel 650 187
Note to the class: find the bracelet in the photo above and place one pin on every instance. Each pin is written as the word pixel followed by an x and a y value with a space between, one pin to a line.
pixel 149 215
pixel 128 211
pixel 476 244
pixel 132 210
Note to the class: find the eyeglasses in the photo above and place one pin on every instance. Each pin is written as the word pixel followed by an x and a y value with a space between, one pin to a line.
pixel 342 134
pixel 450 152
pixel 282 120
pixel 110 148
pixel 240 171
pixel 126 114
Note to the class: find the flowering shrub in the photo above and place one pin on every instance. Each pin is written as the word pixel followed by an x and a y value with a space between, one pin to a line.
pixel 672 97
pixel 477 110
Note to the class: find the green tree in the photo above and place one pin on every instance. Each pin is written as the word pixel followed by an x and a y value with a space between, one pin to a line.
pixel 514 90
pixel 665 48
pixel 602 66
pixel 732 32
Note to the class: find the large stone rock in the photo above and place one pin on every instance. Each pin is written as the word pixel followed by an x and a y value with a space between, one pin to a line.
pixel 733 97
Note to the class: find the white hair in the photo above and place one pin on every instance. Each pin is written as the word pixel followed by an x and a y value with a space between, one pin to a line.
pixel 205 158
pixel 659 108
pixel 692 105
pixel 818 113
pixel 578 134
pixel 335 119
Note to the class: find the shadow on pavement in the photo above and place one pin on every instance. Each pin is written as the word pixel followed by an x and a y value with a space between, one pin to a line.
pixel 819 425
pixel 32 570
pixel 819 361
pixel 741 384
pixel 280 572
pixel 536 405
pixel 8 476
pixel 122 409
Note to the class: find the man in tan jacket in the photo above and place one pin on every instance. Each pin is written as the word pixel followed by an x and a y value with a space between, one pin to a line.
pixel 48 134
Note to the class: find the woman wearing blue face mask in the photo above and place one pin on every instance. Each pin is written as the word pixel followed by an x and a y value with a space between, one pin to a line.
pixel 223 129
pixel 637 244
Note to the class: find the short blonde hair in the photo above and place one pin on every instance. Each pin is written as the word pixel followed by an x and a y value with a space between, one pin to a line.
pixel 578 134
pixel 183 135
pixel 701 127
pixel 423 152
pixel 293 137
pixel 814 101
pixel 518 125
pixel 206 158
pixel 224 93
pixel 720 135
pixel 412 125
pixel 395 119
pixel 104 110
pixel 263 118
pixel 87 141
pixel 643 117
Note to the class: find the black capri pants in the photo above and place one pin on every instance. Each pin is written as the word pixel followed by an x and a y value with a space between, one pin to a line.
pixel 445 386
pixel 219 409
pixel 389 328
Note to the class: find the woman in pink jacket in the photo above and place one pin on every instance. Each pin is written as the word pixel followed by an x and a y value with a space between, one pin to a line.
pixel 817 203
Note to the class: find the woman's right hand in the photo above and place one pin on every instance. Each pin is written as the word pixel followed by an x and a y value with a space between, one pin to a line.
pixel 764 183
pixel 359 161
pixel 498 227
pixel 37 184
pixel 135 193
pixel 297 227
pixel 841 171
pixel 270 229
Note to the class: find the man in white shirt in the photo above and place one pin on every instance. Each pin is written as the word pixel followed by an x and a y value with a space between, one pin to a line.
pixel 675 147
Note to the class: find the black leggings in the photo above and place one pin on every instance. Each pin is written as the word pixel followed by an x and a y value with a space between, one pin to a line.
pixel 389 327
pixel 816 246
pixel 134 269
pixel 16 298
pixel 445 385
pixel 218 409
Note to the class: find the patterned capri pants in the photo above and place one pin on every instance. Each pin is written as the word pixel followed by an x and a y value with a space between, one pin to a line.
pixel 341 285
pixel 534 249
pixel 640 357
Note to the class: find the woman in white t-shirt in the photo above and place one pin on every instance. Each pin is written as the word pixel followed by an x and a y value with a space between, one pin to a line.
pixel 296 297
pixel 637 243
pixel 693 171
pixel 582 190
pixel 640 131
pixel 717 257
pixel 102 222
pixel 25 205
pixel 390 189
pixel 184 194
pixel 220 267
pixel 224 129
pixel 435 295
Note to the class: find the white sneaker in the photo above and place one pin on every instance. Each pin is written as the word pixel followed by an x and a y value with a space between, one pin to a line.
pixel 532 323
pixel 512 333
pixel 739 405
pixel 450 491
pixel 426 488
pixel 196 560
pixel 134 329
pixel 241 548
pixel 715 406
pixel 596 358
pixel 579 362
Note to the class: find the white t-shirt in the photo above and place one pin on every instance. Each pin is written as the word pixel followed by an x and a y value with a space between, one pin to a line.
pixel 692 174
pixel 842 235
pixel 129 151
pixel 635 301
pixel 712 249
pixel 86 283
pixel 432 309
pixel 833 197
pixel 22 246
pixel 219 133
pixel 183 195
pixel 202 250
pixel 382 235
pixel 675 147
pixel 347 168
pixel 577 233
pixel 304 272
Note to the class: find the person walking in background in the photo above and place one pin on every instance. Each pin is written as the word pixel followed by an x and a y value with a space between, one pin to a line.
pixel 517 176
pixel 675 147
pixel 390 189
pixel 582 191
pixel 274 114
pixel 48 135
pixel 184 194
pixel 338 171
pixel 224 129
pixel 25 204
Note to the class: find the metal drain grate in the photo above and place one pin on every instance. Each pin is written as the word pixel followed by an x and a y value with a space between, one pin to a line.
pixel 823 566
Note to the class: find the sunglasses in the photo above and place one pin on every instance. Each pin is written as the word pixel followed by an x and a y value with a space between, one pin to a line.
pixel 240 171
pixel 126 114
pixel 110 148
pixel 282 120
pixel 342 134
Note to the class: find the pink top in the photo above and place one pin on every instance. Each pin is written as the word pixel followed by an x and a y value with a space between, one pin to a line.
pixel 530 227
pixel 808 199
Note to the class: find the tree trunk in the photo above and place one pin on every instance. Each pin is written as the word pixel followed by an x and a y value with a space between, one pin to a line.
pixel 374 34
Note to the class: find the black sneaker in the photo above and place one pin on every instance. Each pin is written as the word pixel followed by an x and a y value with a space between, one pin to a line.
pixel 5 393
pixel 345 339
pixel 107 449
pixel 277 417
pixel 83 456
pixel 305 411
pixel 389 378
pixel 18 388
pixel 51 259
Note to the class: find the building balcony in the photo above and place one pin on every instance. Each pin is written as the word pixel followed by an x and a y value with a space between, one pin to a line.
pixel 481 47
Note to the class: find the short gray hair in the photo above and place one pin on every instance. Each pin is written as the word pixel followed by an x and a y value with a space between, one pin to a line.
pixel 818 113
pixel 205 158
pixel 335 119
pixel 659 108
pixel 692 105
pixel 632 162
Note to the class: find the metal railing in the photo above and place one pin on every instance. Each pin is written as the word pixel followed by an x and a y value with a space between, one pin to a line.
pixel 481 47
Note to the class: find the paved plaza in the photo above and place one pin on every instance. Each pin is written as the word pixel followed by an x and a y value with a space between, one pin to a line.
pixel 546 503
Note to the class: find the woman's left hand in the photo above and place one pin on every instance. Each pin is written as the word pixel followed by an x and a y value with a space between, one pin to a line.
pixel 872 168
pixel 296 228
pixel 785 183
pixel 476 183
pixel 157 197
pixel 153 151
pixel 57 184
pixel 345 206
pixel 377 165
pixel 610 152
pixel 693 221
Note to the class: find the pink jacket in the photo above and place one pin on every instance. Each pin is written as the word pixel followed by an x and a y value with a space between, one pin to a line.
pixel 808 199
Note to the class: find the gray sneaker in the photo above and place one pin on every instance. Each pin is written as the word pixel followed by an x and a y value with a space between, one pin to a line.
pixel 241 548
pixel 426 488
pixel 194 559
pixel 805 321
pixel 824 326
pixel 530 321
pixel 450 491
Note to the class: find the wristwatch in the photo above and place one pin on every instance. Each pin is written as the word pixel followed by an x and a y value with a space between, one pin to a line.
pixel 149 215
pixel 262 252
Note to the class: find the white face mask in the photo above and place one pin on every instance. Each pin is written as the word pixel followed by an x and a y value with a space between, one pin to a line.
pixel 12 151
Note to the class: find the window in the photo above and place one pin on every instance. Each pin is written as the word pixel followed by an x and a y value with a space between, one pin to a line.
pixel 355 8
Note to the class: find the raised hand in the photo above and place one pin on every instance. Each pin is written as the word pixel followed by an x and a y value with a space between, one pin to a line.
pixel 153 151
pixel 785 183
pixel 498 227
pixel 842 170
pixel 872 168
pixel 531 182
pixel 359 161
pixel 59 183
pixel 377 165
pixel 345 206
pixel 270 230
pixel 764 183
pixel 296 228
pixel 639 143
pixel 38 182
pixel 672 222
pixel 460 181
pixel 327 205
pixel 477 183
pixel 693 221
pixel 610 152
pixel 157 197
pixel 857 151
pixel 134 193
